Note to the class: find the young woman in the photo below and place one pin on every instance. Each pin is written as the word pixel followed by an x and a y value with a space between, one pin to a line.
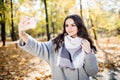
pixel 70 55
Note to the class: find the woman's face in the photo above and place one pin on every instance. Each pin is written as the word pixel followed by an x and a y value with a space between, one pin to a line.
pixel 71 28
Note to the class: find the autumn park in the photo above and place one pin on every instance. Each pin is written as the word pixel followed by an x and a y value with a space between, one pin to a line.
pixel 101 17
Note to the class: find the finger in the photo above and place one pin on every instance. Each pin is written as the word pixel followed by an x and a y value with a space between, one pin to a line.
pixel 86 42
pixel 23 27
pixel 24 19
pixel 81 44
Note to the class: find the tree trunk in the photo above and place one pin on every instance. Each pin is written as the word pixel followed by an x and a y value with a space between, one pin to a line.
pixel 47 25
pixel 81 9
pixel 93 28
pixel 2 22
pixel 13 35
pixel 92 25
pixel 53 28
pixel 3 33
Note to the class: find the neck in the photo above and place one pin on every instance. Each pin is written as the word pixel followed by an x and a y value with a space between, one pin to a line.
pixel 73 36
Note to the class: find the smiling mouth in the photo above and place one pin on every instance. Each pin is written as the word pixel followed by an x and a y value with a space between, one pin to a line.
pixel 70 32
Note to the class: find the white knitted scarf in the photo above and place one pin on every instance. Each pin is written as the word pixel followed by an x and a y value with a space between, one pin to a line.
pixel 73 46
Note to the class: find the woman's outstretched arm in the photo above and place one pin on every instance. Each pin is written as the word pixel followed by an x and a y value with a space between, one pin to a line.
pixel 23 35
pixel 29 44
pixel 25 23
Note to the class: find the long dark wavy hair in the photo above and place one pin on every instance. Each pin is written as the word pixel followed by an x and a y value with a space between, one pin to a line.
pixel 82 32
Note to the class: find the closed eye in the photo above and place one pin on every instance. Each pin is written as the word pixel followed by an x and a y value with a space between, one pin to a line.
pixel 66 25
pixel 73 25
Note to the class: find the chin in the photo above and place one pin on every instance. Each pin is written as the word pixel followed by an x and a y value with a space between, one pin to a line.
pixel 70 35
pixel 73 36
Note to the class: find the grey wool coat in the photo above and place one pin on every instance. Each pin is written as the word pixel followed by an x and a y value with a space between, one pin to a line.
pixel 46 51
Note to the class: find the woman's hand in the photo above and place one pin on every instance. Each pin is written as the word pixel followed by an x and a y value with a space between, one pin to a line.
pixel 25 23
pixel 86 46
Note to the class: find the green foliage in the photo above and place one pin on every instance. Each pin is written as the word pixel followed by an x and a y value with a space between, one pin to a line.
pixel 117 23
pixel 105 21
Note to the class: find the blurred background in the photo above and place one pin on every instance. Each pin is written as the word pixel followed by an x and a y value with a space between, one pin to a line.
pixel 101 17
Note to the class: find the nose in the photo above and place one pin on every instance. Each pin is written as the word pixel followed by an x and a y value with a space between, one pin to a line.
pixel 69 27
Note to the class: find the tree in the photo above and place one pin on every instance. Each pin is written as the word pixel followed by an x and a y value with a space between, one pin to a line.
pixel 58 10
pixel 81 8
pixel 92 24
pixel 2 22
pixel 12 31
pixel 47 22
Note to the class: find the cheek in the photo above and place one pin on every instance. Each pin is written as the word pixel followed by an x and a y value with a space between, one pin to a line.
pixel 66 29
pixel 76 30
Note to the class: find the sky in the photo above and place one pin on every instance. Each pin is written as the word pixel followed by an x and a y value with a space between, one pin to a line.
pixel 84 3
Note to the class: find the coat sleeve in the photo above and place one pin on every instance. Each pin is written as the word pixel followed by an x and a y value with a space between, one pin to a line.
pixel 39 49
pixel 91 64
